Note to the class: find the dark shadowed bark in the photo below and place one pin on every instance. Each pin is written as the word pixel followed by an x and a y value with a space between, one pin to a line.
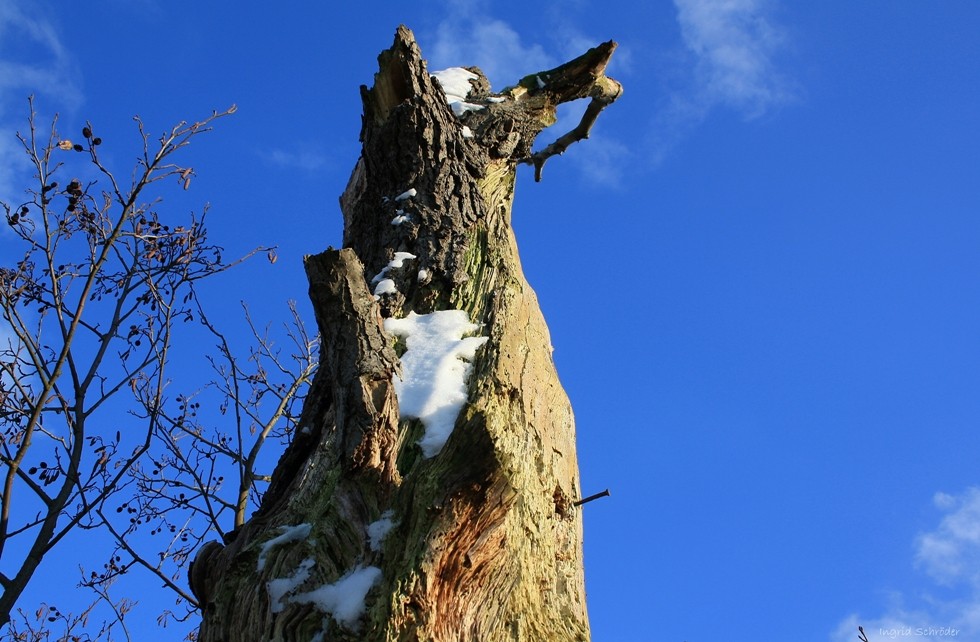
pixel 484 541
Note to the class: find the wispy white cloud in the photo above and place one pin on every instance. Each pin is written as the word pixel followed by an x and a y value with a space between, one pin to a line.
pixel 41 63
pixel 602 161
pixel 33 60
pixel 731 49
pixel 570 41
pixel 950 556
pixel 951 553
pixel 468 36
pixel 13 166
pixel 734 43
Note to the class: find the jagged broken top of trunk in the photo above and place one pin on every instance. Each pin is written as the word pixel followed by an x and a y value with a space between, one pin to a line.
pixel 460 531
pixel 412 142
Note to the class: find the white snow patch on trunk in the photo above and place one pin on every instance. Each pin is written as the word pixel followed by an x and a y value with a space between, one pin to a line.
pixel 394 264
pixel 407 194
pixel 434 371
pixel 287 534
pixel 344 599
pixel 376 531
pixel 455 82
pixel 281 587
pixel 385 286
pixel 460 107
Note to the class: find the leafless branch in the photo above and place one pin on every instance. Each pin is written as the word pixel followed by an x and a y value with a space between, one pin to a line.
pixel 91 304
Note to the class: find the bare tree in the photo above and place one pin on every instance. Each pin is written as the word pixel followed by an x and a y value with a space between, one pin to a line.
pixel 203 473
pixel 89 310
pixel 416 503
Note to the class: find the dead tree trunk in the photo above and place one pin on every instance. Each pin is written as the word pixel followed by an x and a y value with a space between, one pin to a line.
pixel 394 515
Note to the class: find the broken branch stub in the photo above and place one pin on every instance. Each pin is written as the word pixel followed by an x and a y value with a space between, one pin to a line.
pixel 583 77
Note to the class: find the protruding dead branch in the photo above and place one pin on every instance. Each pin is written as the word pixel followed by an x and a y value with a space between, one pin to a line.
pixel 583 77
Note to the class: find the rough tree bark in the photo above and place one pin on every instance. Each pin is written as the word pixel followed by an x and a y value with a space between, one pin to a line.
pixel 485 539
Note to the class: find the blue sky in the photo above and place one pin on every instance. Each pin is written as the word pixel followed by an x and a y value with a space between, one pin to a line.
pixel 760 273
